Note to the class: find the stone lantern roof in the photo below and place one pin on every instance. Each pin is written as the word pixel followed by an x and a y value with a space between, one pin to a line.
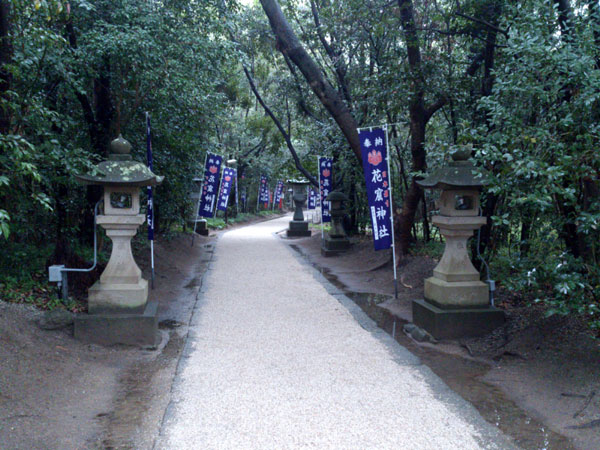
pixel 457 175
pixel 120 169
pixel 337 196
pixel 298 182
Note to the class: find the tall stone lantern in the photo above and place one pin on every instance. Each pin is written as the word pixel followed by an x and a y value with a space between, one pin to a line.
pixel 456 301
pixel 118 308
pixel 298 226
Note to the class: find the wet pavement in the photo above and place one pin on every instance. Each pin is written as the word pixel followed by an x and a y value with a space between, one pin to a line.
pixel 278 358
pixel 462 375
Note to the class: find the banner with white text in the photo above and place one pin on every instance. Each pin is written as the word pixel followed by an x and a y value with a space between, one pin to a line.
pixel 212 170
pixel 229 176
pixel 325 183
pixel 376 169
pixel 263 198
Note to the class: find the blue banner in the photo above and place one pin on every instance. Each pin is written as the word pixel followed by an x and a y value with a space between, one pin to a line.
pixel 150 208
pixel 325 183
pixel 312 199
pixel 212 171
pixel 263 197
pixel 377 178
pixel 278 193
pixel 229 177
pixel 237 197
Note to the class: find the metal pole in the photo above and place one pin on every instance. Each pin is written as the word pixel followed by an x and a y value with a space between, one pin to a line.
pixel 219 196
pixel 197 212
pixel 387 144
pixel 152 260
pixel 237 204
pixel 151 197
pixel 259 192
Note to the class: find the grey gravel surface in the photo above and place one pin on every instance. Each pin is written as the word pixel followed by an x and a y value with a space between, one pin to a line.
pixel 277 359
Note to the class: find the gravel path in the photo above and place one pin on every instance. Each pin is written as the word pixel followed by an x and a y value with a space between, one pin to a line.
pixel 275 361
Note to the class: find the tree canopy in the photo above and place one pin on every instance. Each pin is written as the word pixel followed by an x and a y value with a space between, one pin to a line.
pixel 273 84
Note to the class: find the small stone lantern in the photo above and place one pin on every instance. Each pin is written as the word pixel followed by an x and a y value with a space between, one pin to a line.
pixel 456 300
pixel 117 302
pixel 298 227
pixel 336 241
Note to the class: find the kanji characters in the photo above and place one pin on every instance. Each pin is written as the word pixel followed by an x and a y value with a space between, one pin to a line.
pixel 376 173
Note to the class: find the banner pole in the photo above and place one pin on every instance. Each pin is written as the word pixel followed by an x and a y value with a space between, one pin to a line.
pixel 387 144
pixel 197 212
pixel 152 260
pixel 223 167
pixel 259 192
pixel 151 197
pixel 237 193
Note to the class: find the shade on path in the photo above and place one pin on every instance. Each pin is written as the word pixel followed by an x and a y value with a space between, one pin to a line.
pixel 274 361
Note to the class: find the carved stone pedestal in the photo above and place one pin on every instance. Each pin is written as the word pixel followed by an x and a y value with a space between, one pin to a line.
pixel 456 301
pixel 118 312
pixel 202 227
pixel 298 227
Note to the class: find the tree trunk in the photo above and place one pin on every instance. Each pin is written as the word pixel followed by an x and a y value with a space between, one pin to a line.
pixel 419 116
pixel 288 44
pixel 6 52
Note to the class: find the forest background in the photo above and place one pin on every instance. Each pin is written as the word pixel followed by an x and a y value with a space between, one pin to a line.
pixel 273 85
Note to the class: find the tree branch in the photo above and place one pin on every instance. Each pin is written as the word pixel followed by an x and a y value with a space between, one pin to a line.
pixel 285 135
pixel 288 44
pixel 483 22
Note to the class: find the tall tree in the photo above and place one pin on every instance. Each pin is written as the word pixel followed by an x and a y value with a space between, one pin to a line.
pixel 290 46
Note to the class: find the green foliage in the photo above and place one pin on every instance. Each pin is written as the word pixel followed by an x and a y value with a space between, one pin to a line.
pixel 540 141
pixel 80 75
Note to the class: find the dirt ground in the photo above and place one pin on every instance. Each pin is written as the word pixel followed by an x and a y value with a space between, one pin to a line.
pixel 537 378
pixel 58 393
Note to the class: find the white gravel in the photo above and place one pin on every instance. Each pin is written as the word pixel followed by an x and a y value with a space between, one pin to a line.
pixel 275 362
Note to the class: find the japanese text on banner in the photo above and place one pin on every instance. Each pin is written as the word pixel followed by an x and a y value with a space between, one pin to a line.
pixel 325 184
pixel 377 178
pixel 212 170
pixel 312 199
pixel 150 209
pixel 279 192
pixel 264 191
pixel 229 176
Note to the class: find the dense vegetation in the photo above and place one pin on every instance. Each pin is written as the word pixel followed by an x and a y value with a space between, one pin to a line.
pixel 274 88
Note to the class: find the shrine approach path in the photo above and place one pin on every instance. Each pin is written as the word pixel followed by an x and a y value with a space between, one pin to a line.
pixel 275 361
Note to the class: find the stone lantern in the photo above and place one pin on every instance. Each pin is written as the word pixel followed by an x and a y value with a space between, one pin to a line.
pixel 298 226
pixel 456 300
pixel 336 241
pixel 118 306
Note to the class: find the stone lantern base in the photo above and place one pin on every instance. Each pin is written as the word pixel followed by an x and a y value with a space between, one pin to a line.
pixel 456 323
pixel 120 328
pixel 118 307
pixel 456 302
pixel 335 245
pixel 202 227
pixel 298 228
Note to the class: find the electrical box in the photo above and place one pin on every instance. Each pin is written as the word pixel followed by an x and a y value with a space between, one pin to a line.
pixel 55 273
